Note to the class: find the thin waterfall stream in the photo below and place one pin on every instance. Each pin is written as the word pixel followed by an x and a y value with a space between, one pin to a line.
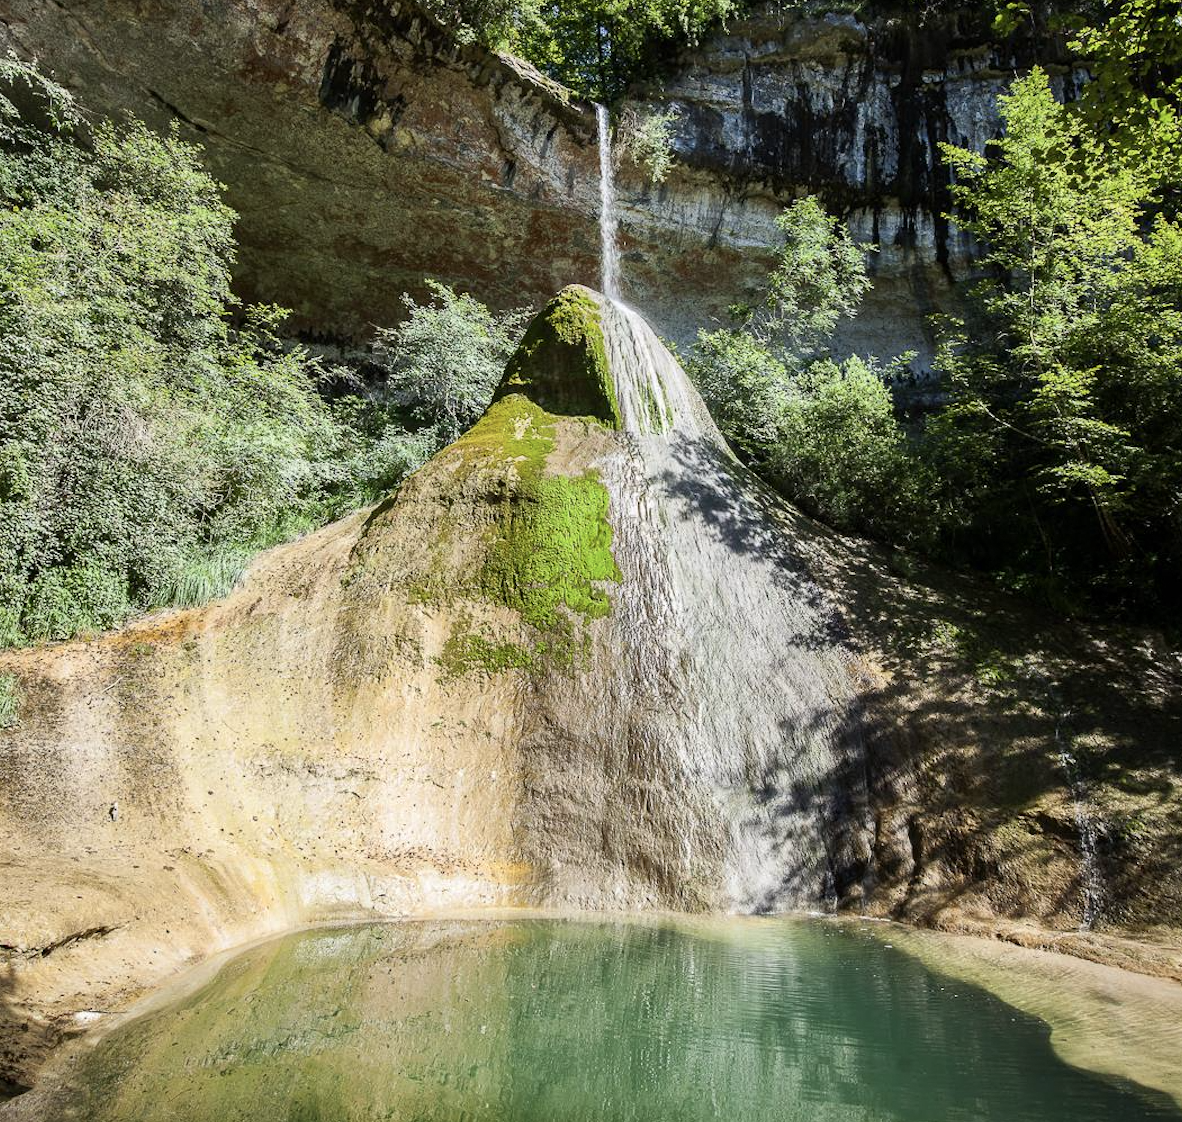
pixel 1091 880
pixel 608 223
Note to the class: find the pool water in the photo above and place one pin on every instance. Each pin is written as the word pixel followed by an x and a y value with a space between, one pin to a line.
pixel 539 1020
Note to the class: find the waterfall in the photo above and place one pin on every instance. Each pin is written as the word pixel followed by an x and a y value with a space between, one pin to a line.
pixel 729 705
pixel 654 393
pixel 728 728
pixel 608 226
pixel 1091 881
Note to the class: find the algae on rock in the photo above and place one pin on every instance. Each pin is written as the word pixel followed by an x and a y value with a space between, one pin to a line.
pixel 546 549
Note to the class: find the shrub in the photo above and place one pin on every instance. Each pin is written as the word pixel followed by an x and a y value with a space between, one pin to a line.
pixel 824 432
pixel 647 139
pixel 841 453
pixel 446 359
pixel 147 446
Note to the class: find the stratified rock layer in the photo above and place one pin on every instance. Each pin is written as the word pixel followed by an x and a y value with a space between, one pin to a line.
pixel 366 149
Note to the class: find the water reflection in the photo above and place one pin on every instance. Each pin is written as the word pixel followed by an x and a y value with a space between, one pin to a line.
pixel 546 1021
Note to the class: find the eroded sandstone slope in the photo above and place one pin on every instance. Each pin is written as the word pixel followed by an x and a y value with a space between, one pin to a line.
pixel 580 659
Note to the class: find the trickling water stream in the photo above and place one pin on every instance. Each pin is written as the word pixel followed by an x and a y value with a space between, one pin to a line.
pixel 1091 881
pixel 608 226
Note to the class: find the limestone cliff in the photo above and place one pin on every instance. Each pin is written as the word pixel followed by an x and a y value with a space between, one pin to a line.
pixel 365 149
pixel 854 108
pixel 580 659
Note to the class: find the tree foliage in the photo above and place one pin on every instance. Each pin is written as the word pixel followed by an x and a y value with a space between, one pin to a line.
pixel 823 431
pixel 1056 463
pixel 1133 49
pixel 647 139
pixel 595 47
pixel 446 359
pixel 153 432
pixel 1066 396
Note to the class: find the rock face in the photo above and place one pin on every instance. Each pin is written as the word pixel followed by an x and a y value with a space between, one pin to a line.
pixel 365 149
pixel 362 146
pixel 854 109
pixel 576 660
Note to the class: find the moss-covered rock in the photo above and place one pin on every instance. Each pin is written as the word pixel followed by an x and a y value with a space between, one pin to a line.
pixel 546 553
pixel 561 363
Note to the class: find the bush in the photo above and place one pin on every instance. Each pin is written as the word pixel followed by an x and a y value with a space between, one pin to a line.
pixel 824 433
pixel 841 453
pixel 137 429
pixel 444 362
pixel 745 386
pixel 647 139
pixel 148 447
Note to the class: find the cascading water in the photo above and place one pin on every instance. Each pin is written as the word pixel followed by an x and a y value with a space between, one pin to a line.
pixel 608 226
pixel 749 745
pixel 727 728
pixel 725 767
pixel 1091 882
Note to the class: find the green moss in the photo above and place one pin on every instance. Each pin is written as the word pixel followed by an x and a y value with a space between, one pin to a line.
pixel 514 432
pixel 553 544
pixel 548 551
pixel 468 652
pixel 561 363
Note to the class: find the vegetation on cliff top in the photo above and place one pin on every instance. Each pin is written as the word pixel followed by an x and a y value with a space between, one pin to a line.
pixel 594 47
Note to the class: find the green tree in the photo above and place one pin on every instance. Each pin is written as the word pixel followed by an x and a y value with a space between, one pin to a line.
pixel 446 359
pixel 1133 49
pixel 819 280
pixel 746 386
pixel 1062 446
pixel 137 430
pixel 148 445
pixel 823 432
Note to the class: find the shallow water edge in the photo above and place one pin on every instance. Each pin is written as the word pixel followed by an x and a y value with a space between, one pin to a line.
pixel 1101 1019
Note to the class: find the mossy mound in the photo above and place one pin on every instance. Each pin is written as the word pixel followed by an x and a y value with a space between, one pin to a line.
pixel 561 364
pixel 547 553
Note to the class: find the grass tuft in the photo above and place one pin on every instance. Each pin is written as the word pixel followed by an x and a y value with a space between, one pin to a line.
pixel 208 576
